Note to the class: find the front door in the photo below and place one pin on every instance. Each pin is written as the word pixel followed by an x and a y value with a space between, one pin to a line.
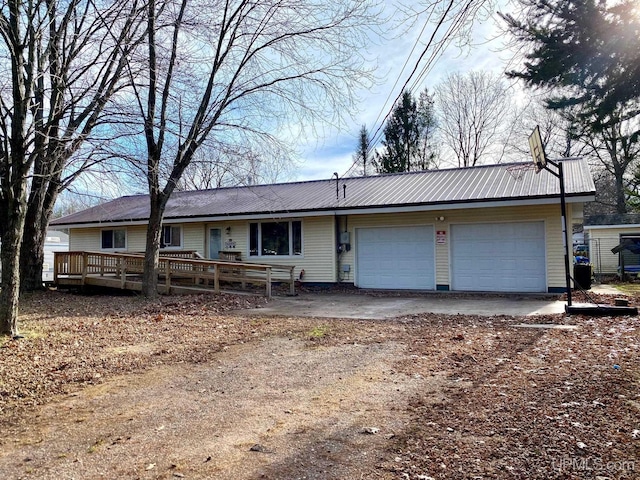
pixel 215 243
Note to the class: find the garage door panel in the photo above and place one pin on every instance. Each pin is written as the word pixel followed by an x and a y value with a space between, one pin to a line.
pixel 395 258
pixel 500 257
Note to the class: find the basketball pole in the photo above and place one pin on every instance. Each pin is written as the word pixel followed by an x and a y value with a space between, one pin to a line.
pixel 541 161
pixel 563 211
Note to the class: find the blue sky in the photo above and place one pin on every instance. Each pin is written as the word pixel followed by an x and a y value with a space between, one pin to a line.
pixel 333 153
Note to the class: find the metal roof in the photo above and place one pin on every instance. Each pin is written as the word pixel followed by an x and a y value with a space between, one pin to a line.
pixel 487 183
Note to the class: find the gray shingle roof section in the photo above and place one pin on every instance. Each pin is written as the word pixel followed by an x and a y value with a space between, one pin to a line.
pixel 612 219
pixel 487 183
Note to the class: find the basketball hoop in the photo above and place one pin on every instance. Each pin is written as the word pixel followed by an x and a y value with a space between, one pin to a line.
pixel 537 150
pixel 518 171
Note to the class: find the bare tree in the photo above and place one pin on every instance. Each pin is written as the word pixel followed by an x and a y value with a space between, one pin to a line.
pixel 215 167
pixel 61 63
pixel 583 56
pixel 557 130
pixel 237 70
pixel 612 151
pixel 617 149
pixel 471 109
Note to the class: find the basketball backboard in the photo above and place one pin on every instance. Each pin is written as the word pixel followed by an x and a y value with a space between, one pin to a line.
pixel 537 149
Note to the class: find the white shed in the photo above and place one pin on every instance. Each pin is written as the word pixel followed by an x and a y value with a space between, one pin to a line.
pixel 603 233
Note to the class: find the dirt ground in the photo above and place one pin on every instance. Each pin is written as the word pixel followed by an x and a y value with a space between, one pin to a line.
pixel 119 387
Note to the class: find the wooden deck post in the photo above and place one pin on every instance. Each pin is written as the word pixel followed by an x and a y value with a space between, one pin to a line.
pixel 292 281
pixel 268 282
pixel 123 273
pixel 56 259
pixel 121 270
pixel 167 270
pixel 85 266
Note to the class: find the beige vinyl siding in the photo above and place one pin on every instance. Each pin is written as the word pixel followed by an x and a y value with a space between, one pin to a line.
pixel 601 241
pixel 318 251
pixel 84 239
pixel 549 214
pixel 234 241
pixel 319 259
pixel 90 239
pixel 137 238
pixel 239 235
pixel 193 237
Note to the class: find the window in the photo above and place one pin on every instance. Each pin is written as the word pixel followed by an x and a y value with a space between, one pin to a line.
pixel 171 236
pixel 114 239
pixel 275 238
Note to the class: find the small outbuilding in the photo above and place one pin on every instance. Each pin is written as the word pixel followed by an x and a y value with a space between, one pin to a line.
pixel 55 241
pixel 603 234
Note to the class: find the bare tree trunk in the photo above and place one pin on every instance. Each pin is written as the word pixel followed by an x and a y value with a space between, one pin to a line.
pixel 57 98
pixel 152 251
pixel 10 252
pixel 14 168
pixel 40 207
pixel 621 197
pixel 235 65
pixel 31 261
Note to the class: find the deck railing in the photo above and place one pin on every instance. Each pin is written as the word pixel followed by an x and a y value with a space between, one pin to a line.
pixel 173 271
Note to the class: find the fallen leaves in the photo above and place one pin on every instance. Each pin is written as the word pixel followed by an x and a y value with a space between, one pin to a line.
pixel 532 404
pixel 510 402
pixel 73 340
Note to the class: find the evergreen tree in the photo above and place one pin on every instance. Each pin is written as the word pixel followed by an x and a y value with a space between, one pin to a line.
pixel 587 51
pixel 407 136
pixel 363 153
pixel 426 153
pixel 586 54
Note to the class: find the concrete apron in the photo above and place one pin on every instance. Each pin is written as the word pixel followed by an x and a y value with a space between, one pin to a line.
pixel 328 305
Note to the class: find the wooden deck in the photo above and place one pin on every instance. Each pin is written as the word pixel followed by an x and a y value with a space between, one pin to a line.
pixel 176 272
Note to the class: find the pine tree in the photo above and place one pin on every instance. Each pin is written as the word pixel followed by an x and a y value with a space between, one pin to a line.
pixel 426 153
pixel 363 153
pixel 587 51
pixel 407 136
pixel 586 54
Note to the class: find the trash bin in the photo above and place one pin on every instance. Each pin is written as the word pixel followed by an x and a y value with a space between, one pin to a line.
pixel 582 275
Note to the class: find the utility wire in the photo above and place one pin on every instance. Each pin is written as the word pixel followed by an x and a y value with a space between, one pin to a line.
pixel 437 48
pixel 377 134
pixel 406 62
pixel 354 164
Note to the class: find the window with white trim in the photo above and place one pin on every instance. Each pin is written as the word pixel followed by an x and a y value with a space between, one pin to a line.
pixel 113 238
pixel 171 236
pixel 275 238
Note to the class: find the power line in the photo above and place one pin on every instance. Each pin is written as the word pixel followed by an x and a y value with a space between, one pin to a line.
pixel 384 105
pixel 377 133
pixel 437 48
pixel 406 62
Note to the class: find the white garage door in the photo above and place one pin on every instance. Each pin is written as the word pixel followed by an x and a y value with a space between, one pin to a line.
pixel 395 258
pixel 498 257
